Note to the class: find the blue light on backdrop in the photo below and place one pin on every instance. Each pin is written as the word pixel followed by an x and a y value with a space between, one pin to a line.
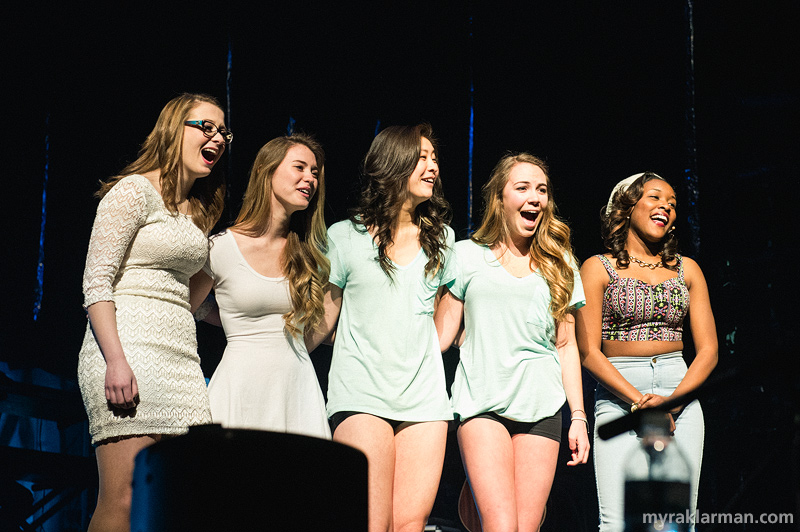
pixel 691 184
pixel 39 293
pixel 471 137
pixel 469 165
pixel 229 118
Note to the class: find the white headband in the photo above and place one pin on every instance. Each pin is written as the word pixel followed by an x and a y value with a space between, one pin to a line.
pixel 621 187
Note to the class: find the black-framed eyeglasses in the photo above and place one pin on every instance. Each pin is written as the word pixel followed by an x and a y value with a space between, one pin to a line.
pixel 210 129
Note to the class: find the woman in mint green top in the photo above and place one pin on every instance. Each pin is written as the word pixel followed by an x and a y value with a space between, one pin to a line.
pixel 386 389
pixel 516 288
pixel 386 358
pixel 508 318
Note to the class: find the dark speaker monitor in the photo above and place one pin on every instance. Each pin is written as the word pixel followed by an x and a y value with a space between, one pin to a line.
pixel 235 479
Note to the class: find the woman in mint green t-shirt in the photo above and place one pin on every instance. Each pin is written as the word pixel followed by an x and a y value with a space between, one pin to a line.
pixel 386 393
pixel 516 288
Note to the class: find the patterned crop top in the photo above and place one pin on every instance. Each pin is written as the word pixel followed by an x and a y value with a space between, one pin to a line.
pixel 636 311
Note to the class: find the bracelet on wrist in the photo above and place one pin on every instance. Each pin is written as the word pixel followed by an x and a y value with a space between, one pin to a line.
pixel 581 419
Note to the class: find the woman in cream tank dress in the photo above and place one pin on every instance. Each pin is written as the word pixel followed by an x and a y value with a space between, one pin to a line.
pixel 266 379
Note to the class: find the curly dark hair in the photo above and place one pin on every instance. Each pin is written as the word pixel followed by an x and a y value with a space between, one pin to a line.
pixel 390 161
pixel 616 224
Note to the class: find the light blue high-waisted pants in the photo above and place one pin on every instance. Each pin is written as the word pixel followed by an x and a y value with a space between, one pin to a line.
pixel 659 375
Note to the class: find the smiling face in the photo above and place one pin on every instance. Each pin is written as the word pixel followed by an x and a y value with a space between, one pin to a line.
pixel 525 197
pixel 654 214
pixel 294 182
pixel 201 153
pixel 424 176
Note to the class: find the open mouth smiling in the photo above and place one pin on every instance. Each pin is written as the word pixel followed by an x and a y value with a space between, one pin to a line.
pixel 663 219
pixel 209 155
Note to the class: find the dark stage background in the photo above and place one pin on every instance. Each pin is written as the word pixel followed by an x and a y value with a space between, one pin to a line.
pixel 705 93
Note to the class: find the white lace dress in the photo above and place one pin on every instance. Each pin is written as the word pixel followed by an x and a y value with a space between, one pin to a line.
pixel 266 379
pixel 141 257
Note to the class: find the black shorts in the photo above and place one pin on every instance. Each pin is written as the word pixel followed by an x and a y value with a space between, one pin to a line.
pixel 549 427
pixel 337 418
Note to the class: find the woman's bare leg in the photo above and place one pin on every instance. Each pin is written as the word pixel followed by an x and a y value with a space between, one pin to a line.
pixel 115 461
pixel 488 456
pixel 375 438
pixel 535 466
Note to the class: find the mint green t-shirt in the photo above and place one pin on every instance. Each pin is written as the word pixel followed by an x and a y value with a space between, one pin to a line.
pixel 386 358
pixel 509 363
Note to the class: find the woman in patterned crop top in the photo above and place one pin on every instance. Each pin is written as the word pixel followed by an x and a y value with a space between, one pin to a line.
pixel 138 368
pixel 630 331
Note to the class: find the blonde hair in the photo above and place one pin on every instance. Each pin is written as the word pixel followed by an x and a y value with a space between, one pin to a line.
pixel 304 262
pixel 162 150
pixel 550 247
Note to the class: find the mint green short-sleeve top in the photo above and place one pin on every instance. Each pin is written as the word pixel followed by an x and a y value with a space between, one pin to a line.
pixel 509 364
pixel 386 357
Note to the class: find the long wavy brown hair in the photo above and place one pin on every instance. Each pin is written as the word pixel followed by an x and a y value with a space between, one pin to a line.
pixel 616 224
pixel 389 163
pixel 162 150
pixel 550 248
pixel 304 262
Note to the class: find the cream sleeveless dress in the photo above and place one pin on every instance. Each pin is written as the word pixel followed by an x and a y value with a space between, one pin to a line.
pixel 266 379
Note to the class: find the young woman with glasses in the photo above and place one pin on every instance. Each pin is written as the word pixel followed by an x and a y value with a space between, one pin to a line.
pixel 138 368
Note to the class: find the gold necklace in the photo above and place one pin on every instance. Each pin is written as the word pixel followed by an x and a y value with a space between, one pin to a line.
pixel 643 264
